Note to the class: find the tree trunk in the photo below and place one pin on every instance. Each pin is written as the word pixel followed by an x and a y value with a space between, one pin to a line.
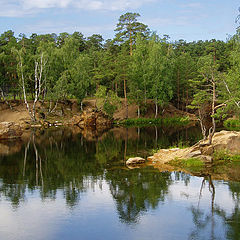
pixel 213 128
pixel 24 93
pixel 125 97
pixel 145 95
pixel 116 88
pixel 125 145
pixel 156 135
pixel 131 43
pixel 156 108
pixel 178 88
pixel 81 106
pixel 138 111
pixel 203 128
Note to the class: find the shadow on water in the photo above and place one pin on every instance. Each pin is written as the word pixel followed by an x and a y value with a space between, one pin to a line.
pixel 60 162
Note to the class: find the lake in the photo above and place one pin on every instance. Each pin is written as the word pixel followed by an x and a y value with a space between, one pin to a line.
pixel 60 184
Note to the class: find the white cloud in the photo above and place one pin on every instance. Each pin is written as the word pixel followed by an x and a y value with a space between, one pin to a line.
pixel 67 26
pixel 18 8
pixel 29 4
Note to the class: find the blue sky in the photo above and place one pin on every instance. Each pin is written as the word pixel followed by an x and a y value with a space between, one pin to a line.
pixel 180 19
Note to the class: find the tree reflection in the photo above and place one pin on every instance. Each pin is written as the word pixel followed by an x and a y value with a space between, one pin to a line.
pixel 48 165
pixel 137 191
pixel 232 220
pixel 204 221
pixel 60 161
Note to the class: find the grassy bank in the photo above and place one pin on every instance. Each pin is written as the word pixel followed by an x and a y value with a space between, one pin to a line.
pixel 141 122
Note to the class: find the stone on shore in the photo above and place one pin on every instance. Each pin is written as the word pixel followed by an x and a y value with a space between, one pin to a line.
pixel 91 119
pixel 9 130
pixel 228 141
pixel 135 160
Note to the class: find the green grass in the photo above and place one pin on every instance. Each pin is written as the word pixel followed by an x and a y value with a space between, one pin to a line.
pixel 192 164
pixel 140 122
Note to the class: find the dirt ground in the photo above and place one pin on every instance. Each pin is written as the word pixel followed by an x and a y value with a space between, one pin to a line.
pixel 70 108
pixel 18 113
pixel 166 111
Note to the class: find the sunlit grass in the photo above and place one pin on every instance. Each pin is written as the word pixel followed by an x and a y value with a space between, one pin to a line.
pixel 192 164
pixel 173 121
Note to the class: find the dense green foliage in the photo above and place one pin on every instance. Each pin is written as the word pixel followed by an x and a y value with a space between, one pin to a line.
pixel 232 124
pixel 137 65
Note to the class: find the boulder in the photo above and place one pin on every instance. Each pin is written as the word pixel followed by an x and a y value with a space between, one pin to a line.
pixel 193 154
pixel 91 119
pixel 206 158
pixel 75 120
pixel 207 150
pixel 135 160
pixel 10 130
pixel 228 141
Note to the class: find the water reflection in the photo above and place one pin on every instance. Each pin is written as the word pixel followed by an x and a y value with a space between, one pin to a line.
pixel 137 191
pixel 78 187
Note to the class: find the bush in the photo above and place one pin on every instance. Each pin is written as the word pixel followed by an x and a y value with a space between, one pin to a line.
pixel 232 124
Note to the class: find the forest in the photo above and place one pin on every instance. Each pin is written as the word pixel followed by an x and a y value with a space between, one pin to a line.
pixel 136 65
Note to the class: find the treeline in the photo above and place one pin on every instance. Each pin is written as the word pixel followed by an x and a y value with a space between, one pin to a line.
pixel 136 65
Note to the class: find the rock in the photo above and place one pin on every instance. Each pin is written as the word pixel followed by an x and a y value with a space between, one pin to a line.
pixel 36 125
pixel 103 120
pixel 205 158
pixel 135 160
pixel 10 130
pixel 91 120
pixel 75 120
pixel 228 141
pixel 207 150
pixel 151 158
pixel 193 154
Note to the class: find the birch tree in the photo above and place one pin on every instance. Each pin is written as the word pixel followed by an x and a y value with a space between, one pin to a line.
pixel 39 66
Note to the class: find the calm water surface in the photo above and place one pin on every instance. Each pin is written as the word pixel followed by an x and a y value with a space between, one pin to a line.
pixel 59 185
